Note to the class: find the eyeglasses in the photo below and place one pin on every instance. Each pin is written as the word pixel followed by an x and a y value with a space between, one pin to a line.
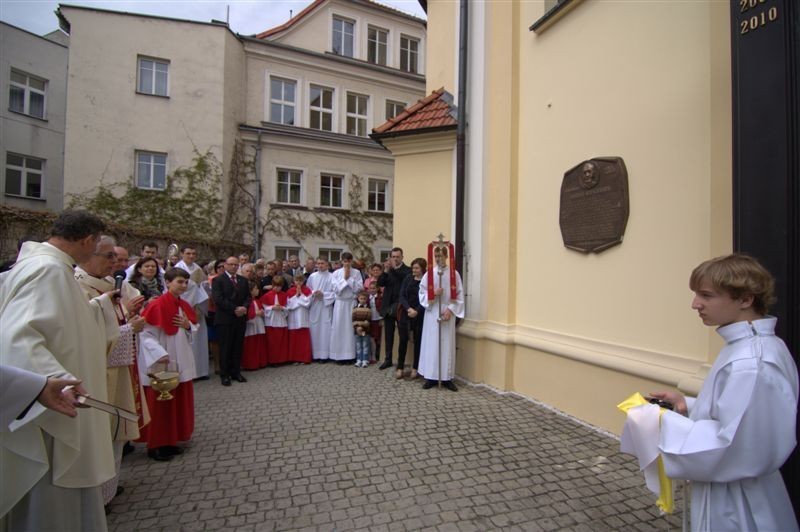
pixel 110 255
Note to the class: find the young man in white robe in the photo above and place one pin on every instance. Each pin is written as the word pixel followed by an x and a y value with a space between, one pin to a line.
pixel 198 298
pixel 347 283
pixel 53 465
pixel 437 358
pixel 320 313
pixel 732 439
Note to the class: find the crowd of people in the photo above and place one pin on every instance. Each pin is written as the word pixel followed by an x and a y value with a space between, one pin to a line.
pixel 84 323
pixel 91 320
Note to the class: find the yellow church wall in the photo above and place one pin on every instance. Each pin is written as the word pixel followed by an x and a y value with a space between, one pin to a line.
pixel 645 81
pixel 423 190
pixel 441 69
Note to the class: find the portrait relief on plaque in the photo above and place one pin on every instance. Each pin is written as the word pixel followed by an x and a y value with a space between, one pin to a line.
pixel 594 204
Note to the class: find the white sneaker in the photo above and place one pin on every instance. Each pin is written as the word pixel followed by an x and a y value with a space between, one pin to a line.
pixel 357 364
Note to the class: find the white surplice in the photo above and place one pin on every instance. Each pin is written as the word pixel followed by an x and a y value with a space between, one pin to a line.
pixel 154 343
pixel 320 314
pixel 739 431
pixel 429 349
pixel 197 297
pixel 298 306
pixel 343 341
pixel 47 326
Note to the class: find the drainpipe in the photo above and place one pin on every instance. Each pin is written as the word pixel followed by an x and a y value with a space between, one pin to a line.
pixel 257 206
pixel 461 133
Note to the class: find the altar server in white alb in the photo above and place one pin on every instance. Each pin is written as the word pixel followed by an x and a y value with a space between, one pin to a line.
pixel 320 314
pixel 53 465
pixel 347 282
pixel 442 295
pixel 198 299
pixel 732 439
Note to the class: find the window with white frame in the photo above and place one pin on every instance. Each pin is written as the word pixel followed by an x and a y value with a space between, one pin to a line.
pixel 27 94
pixel 320 108
pixel 330 254
pixel 284 253
pixel 281 100
pixel 24 176
pixel 409 54
pixel 153 76
pixel 330 190
pixel 377 195
pixel 376 45
pixel 342 42
pixel 394 108
pixel 384 255
pixel 289 186
pixel 151 170
pixel 357 114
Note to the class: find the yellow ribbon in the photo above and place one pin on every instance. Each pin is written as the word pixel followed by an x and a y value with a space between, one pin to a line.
pixel 665 501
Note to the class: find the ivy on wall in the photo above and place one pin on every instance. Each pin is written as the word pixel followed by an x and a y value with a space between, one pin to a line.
pixel 190 204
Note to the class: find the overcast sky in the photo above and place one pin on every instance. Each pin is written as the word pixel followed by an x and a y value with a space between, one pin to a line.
pixel 246 16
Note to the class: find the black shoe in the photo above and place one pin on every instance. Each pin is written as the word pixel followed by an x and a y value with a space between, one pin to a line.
pixel 428 384
pixel 386 364
pixel 226 381
pixel 120 490
pixel 128 448
pixel 203 378
pixel 239 378
pixel 159 455
pixel 450 385
pixel 172 450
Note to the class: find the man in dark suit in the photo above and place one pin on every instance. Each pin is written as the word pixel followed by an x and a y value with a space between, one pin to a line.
pixel 394 271
pixel 231 295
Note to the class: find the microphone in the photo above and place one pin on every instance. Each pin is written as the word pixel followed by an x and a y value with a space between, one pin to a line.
pixel 119 276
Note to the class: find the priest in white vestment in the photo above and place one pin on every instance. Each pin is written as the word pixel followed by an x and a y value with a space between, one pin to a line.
pixel 53 465
pixel 347 283
pixel 320 315
pixel 439 325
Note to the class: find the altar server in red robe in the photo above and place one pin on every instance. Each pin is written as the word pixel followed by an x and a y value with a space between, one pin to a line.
pixel 275 312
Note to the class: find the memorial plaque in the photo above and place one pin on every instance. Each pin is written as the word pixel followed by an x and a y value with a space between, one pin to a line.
pixel 594 204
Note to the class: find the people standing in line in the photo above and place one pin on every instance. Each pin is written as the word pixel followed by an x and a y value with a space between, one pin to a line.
pixel 320 314
pixel 254 352
pixel 166 346
pixel 275 314
pixel 298 303
pixel 443 303
pixel 149 250
pixel 412 317
pixel 231 295
pixel 731 440
pixel 394 271
pixel 361 317
pixel 122 378
pixel 49 328
pixel 346 284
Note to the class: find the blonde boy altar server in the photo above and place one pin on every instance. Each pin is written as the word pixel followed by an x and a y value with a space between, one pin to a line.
pixel 347 282
pixel 53 465
pixel 320 314
pixel 443 303
pixel 732 439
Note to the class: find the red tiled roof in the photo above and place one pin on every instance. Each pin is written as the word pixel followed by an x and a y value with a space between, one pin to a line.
pixel 435 111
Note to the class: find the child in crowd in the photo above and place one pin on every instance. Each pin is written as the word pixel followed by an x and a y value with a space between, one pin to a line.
pixel 254 352
pixel 166 340
pixel 298 303
pixel 361 321
pixel 375 271
pixel 274 303
pixel 376 320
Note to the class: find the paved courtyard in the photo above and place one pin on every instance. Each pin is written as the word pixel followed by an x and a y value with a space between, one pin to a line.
pixel 327 447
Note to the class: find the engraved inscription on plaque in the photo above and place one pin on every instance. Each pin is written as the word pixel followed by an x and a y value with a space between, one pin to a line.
pixel 594 204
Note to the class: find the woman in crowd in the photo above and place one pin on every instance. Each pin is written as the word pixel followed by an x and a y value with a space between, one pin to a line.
pixel 412 316
pixel 145 278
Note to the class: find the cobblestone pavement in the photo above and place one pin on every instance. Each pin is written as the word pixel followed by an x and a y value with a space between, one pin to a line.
pixel 328 447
